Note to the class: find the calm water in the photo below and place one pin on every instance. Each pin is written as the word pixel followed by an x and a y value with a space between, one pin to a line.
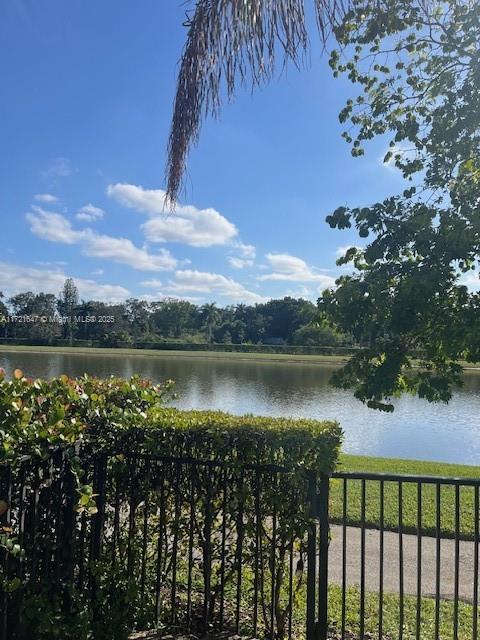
pixel 416 429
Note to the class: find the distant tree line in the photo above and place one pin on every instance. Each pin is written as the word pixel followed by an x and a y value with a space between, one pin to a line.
pixel 45 318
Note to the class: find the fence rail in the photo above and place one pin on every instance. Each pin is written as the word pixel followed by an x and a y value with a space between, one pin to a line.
pixel 201 546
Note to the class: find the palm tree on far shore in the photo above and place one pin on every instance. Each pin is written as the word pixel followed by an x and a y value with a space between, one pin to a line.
pixel 209 315
pixel 228 42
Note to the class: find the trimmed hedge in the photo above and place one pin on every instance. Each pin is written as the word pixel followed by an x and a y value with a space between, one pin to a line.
pixel 295 444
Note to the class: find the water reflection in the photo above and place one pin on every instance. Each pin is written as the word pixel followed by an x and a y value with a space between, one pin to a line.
pixel 415 430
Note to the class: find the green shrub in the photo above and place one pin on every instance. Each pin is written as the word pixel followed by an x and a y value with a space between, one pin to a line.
pixel 36 415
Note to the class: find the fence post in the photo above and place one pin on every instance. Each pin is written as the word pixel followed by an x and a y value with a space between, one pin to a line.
pixel 323 500
pixel 311 555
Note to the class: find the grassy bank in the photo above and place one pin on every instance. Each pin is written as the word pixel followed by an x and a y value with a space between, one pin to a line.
pixel 260 356
pixel 391 615
pixel 169 353
pixel 410 501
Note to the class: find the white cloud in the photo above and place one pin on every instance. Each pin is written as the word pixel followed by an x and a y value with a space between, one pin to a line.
pixel 16 278
pixel 341 251
pixel 124 251
pixel 159 296
pixel 89 213
pixel 186 225
pixel 154 284
pixel 471 280
pixel 98 272
pixel 54 263
pixel 52 226
pixel 301 292
pixel 56 228
pixel 290 268
pixel 201 282
pixel 239 263
pixel 135 197
pixel 247 255
pixel 59 168
pixel 46 198
pixel 246 250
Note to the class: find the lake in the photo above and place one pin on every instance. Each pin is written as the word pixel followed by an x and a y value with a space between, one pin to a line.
pixel 416 429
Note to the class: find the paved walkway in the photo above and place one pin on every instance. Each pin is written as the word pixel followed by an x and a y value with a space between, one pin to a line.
pixel 391 563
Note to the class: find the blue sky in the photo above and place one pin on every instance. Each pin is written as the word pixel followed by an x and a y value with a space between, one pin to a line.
pixel 87 91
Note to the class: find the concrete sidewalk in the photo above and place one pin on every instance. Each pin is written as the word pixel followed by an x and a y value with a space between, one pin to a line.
pixel 391 563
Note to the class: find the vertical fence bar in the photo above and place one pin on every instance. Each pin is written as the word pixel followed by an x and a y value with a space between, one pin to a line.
pixel 161 526
pixel 239 551
pixel 438 559
pixel 381 561
pixel 311 556
pixel 273 594
pixel 457 562
pixel 344 556
pixel 401 615
pixel 146 507
pixel 116 520
pixel 475 563
pixel 258 524
pixel 46 516
pixel 362 558
pixel 81 555
pixel 207 550
pixel 132 528
pixel 176 523
pixel 58 489
pixel 290 589
pixel 34 520
pixel 68 539
pixel 22 508
pixel 419 559
pixel 98 520
pixel 5 495
pixel 191 525
pixel 223 547
pixel 323 514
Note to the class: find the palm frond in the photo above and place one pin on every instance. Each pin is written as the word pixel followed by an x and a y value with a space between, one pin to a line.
pixel 228 42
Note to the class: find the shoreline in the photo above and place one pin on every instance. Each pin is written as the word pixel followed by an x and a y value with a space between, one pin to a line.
pixel 285 358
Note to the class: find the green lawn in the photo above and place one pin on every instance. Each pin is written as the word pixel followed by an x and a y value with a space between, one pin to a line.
pixel 413 467
pixel 285 358
pixel 391 614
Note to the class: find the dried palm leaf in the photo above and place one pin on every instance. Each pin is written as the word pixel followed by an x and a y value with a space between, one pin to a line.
pixel 228 42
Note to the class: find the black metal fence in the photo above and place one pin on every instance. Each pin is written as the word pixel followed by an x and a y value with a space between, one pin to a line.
pixel 208 548
pixel 176 542
pixel 406 556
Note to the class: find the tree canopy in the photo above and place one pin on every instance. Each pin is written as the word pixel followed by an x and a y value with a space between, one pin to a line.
pixel 417 67
pixel 44 318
